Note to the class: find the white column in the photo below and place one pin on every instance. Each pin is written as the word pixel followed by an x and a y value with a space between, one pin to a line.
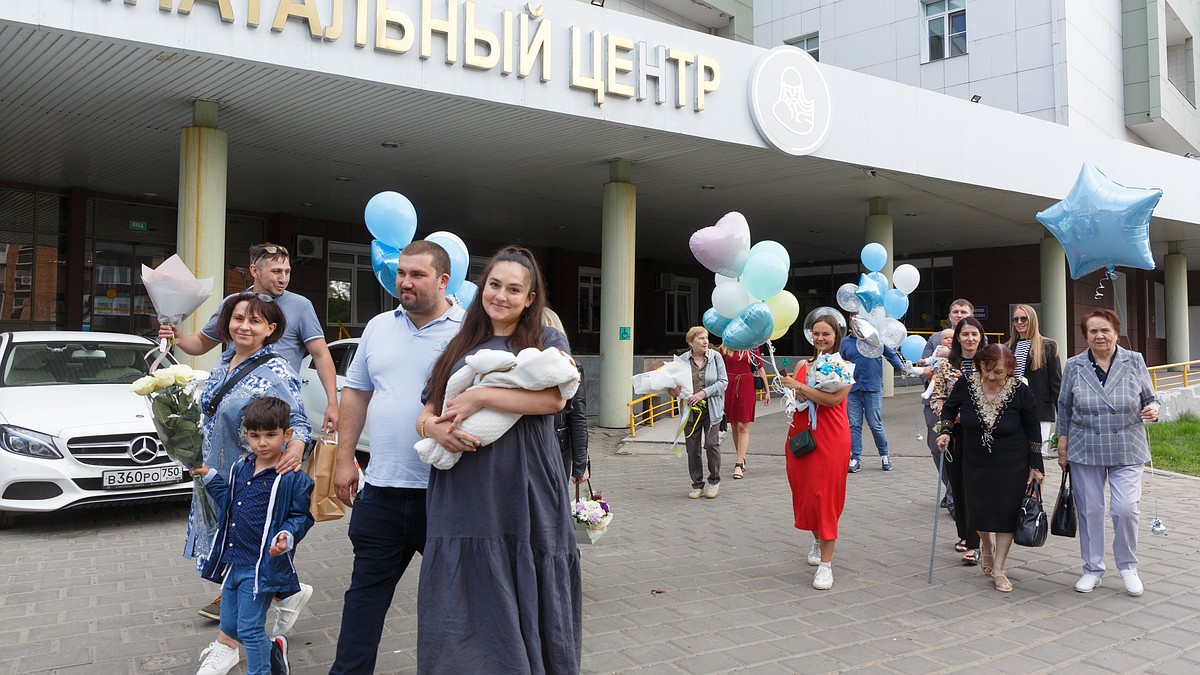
pixel 879 230
pixel 618 249
pixel 203 167
pixel 1053 319
pixel 1178 340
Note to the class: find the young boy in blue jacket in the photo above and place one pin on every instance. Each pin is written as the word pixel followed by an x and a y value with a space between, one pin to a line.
pixel 261 516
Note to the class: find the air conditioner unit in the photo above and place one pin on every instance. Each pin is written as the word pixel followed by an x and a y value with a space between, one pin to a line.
pixel 309 246
pixel 664 281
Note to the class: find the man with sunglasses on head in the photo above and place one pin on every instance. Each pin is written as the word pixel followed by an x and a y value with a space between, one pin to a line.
pixel 271 270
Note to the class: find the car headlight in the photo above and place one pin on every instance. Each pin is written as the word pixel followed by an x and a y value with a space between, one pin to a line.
pixel 28 442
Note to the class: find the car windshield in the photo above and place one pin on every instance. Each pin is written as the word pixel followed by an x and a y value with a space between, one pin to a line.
pixel 45 363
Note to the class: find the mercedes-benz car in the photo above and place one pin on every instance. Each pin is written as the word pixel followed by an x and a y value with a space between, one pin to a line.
pixel 72 434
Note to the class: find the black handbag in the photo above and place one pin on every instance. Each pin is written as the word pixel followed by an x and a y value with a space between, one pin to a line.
pixel 1062 522
pixel 802 443
pixel 759 383
pixel 1032 525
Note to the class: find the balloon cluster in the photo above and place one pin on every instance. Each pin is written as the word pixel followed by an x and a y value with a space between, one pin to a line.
pixel 749 305
pixel 392 220
pixel 880 306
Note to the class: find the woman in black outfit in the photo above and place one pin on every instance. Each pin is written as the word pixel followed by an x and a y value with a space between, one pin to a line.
pixel 998 452
pixel 570 423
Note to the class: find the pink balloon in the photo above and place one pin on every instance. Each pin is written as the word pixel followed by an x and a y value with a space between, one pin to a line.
pixel 723 247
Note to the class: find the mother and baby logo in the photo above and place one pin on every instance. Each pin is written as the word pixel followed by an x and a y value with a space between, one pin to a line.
pixel 789 101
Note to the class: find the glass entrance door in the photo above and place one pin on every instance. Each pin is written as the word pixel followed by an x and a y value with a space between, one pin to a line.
pixel 119 300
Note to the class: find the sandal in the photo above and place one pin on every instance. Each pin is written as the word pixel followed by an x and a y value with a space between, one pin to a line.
pixel 1000 579
pixel 738 469
pixel 987 560
pixel 961 546
pixel 972 557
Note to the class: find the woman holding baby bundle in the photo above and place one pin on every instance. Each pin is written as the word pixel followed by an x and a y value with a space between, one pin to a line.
pixel 500 588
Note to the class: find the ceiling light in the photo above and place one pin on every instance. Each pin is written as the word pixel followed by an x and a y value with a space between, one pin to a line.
pixel 598 3
pixel 708 187
pixel 150 195
pixel 342 179
pixel 562 227
pixel 976 98
pixel 815 231
pixel 868 172
pixel 307 204
pixel 390 145
pixel 910 215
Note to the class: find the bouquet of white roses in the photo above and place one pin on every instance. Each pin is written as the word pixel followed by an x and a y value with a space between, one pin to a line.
pixel 174 394
pixel 591 516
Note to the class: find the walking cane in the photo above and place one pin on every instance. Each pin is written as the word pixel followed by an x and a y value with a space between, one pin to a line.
pixel 937 501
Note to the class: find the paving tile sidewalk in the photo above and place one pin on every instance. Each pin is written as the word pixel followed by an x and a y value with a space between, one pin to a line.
pixel 106 592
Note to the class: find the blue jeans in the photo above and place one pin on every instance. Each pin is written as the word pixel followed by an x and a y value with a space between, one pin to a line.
pixel 387 526
pixel 243 615
pixel 869 403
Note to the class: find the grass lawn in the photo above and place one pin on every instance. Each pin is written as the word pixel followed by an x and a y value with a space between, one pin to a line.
pixel 1175 446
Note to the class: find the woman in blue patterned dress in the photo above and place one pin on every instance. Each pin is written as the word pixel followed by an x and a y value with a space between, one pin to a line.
pixel 251 323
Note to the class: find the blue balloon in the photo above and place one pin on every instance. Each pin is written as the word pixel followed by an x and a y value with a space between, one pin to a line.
pixel 1102 224
pixel 895 303
pixel 750 328
pixel 774 248
pixel 912 348
pixel 879 278
pixel 874 256
pixel 384 260
pixel 870 295
pixel 391 218
pixel 714 322
pixel 466 293
pixel 460 259
pixel 764 275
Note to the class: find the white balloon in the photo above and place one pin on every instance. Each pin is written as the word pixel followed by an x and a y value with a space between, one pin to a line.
pixel 847 298
pixel 722 279
pixel 869 350
pixel 892 333
pixel 906 277
pixel 730 299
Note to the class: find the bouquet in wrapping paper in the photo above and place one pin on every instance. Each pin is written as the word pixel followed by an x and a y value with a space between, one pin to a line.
pixel 174 394
pixel 175 292
pixel 830 373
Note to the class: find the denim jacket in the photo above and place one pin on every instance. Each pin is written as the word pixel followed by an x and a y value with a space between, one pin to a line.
pixel 288 512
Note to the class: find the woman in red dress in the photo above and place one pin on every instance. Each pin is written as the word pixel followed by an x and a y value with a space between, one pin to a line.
pixel 740 398
pixel 818 479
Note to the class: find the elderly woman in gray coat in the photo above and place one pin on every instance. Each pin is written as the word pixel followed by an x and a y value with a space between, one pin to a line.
pixel 1105 397
pixel 706 409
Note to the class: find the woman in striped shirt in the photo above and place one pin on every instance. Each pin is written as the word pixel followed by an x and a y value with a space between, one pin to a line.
pixel 1038 363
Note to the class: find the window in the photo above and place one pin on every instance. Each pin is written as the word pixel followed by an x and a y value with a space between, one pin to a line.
pixel 589 300
pixel 809 43
pixel 681 306
pixel 354 295
pixel 945 29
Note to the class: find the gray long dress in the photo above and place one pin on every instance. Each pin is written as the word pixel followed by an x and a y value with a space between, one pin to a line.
pixel 500 588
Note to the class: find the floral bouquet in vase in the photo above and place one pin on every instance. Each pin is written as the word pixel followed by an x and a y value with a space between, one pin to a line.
pixel 174 394
pixel 591 517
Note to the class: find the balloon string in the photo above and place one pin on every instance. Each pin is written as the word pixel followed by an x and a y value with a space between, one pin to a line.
pixel 788 396
pixel 1108 274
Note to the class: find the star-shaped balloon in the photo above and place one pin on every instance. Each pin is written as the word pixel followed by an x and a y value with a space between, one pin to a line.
pixel 1102 224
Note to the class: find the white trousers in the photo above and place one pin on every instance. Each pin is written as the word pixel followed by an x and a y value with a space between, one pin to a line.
pixel 1125 491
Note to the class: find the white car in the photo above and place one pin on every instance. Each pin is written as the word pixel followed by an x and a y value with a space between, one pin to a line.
pixel 313 394
pixel 72 434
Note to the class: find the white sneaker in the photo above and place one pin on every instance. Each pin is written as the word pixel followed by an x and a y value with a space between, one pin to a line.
pixel 814 553
pixel 695 493
pixel 823 580
pixel 1133 583
pixel 711 491
pixel 288 609
pixel 1087 583
pixel 217 659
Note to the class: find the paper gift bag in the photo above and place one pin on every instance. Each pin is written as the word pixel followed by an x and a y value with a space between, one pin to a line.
pixel 325 505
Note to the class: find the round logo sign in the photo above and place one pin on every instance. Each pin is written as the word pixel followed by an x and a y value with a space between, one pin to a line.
pixel 789 101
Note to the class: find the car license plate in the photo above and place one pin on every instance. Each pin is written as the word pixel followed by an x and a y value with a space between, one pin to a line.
pixel 127 478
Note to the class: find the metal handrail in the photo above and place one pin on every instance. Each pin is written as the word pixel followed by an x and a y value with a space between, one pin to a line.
pixel 651 412
pixel 1163 380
